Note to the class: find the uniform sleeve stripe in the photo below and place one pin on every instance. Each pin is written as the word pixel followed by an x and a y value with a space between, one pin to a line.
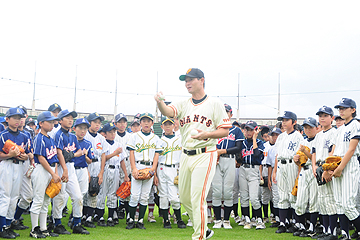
pixel 224 126
pixel 175 110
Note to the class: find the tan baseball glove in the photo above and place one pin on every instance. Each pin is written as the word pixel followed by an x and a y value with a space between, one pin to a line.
pixel 53 189
pixel 145 174
pixel 303 158
pixel 295 188
pixel 331 163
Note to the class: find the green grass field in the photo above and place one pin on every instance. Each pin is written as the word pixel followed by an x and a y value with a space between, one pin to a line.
pixel 156 231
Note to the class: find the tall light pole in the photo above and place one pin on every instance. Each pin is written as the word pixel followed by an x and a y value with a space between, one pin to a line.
pixel 74 109
pixel 33 101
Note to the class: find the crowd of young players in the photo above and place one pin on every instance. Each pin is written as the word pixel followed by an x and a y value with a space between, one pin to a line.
pixel 260 172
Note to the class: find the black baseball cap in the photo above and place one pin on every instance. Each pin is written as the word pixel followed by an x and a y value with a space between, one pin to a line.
pixel 310 122
pixel 65 113
pixel 108 127
pixel 288 115
pixel 275 130
pixel 192 73
pixel 53 107
pixel 136 120
pixel 228 108
pixel 120 116
pixel 94 116
pixel 325 109
pixel 337 117
pixel 346 103
pixel 251 124
pixel 236 123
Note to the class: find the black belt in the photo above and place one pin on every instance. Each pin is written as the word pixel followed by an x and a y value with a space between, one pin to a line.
pixel 169 165
pixel 16 161
pixel 227 155
pixel 95 160
pixel 194 152
pixel 53 164
pixel 283 161
pixel 79 167
pixel 246 165
pixel 306 167
pixel 148 163
pixel 112 166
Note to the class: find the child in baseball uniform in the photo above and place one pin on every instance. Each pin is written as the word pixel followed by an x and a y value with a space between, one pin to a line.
pixel 11 169
pixel 144 153
pixel 252 151
pixel 46 162
pixel 270 162
pixel 99 146
pixel 135 125
pixel 67 148
pixel 285 170
pixel 122 137
pixel 224 178
pixel 168 170
pixel 307 186
pixel 323 147
pixel 339 121
pixel 80 128
pixel 54 109
pixel 110 175
pixel 345 176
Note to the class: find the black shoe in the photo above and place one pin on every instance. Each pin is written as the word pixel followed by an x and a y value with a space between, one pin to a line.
pixel 343 237
pixel 209 233
pixel 65 211
pixel 298 232
pixel 102 223
pixel 354 235
pixel 70 224
pixel 130 225
pixel 60 229
pixel 110 222
pixel 116 221
pixel 329 237
pixel 9 230
pixel 338 231
pixel 308 233
pixel 181 224
pixel 281 229
pixel 167 224
pixel 291 228
pixel 17 225
pixel 48 233
pixel 320 235
pixel 36 233
pixel 6 234
pixel 275 225
pixel 96 218
pixel 140 225
pixel 50 226
pixel 79 229
pixel 122 213
pixel 89 224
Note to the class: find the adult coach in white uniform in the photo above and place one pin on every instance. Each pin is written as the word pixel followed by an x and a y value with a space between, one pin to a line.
pixel 198 161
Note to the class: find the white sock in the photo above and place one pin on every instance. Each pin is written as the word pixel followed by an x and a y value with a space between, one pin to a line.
pixel 42 219
pixel 34 220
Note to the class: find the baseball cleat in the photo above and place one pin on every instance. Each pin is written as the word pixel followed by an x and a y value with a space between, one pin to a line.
pixel 48 233
pixel 140 225
pixel 260 224
pixel 102 222
pixel 181 224
pixel 281 229
pixel 217 224
pixel 130 224
pixel 226 224
pixel 167 224
pixel 60 229
pixel 110 222
pixel 209 233
pixel 275 225
pixel 237 219
pixel 79 229
pixel 36 233
pixel 18 225
pixel 151 219
pixel 189 223
pixel 89 224
pixel 299 232
pixel 10 231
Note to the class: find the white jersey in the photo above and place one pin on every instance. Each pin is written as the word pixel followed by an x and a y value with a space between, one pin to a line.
pixel 116 159
pixel 323 143
pixel 208 115
pixel 288 144
pixel 144 146
pixel 123 141
pixel 267 146
pixel 98 143
pixel 345 133
pixel 171 150
pixel 271 156
pixel 54 131
pixel 310 143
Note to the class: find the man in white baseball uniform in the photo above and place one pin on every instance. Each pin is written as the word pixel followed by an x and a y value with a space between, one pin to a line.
pixel 202 121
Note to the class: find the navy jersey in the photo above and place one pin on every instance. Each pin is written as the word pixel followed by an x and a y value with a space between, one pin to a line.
pixel 18 137
pixel 228 142
pixel 66 140
pixel 46 147
pixel 2 128
pixel 81 161
pixel 31 148
pixel 249 155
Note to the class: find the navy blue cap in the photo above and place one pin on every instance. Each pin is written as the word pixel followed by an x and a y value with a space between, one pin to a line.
pixel 165 119
pixel 120 116
pixel 82 121
pixel 310 121
pixel 53 107
pixel 192 73
pixel 46 116
pixel 251 124
pixel 137 116
pixel 346 103
pixel 275 130
pixel 236 123
pixel 23 108
pixel 265 127
pixel 2 119
pixel 136 120
pixel 325 109
pixel 100 130
pixel 108 127
pixel 30 120
pixel 288 115
pixel 94 116
pixel 337 117
pixel 65 113
pixel 228 108
pixel 14 111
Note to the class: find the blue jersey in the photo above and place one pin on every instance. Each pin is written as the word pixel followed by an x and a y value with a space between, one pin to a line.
pixel 18 137
pixel 2 128
pixel 250 155
pixel 31 148
pixel 235 135
pixel 81 161
pixel 66 141
pixel 45 146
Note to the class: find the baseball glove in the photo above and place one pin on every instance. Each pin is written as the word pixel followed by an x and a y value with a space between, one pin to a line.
pixel 295 188
pixel 145 174
pixel 68 155
pixel 319 173
pixel 303 158
pixel 53 189
pixel 94 187
pixel 331 163
pixel 176 180
pixel 10 144
pixel 124 190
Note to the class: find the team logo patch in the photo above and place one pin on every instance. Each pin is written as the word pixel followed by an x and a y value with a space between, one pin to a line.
pixel 96 114
pixel 189 70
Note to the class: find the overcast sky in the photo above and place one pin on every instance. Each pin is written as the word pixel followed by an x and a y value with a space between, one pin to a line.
pixel 314 45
